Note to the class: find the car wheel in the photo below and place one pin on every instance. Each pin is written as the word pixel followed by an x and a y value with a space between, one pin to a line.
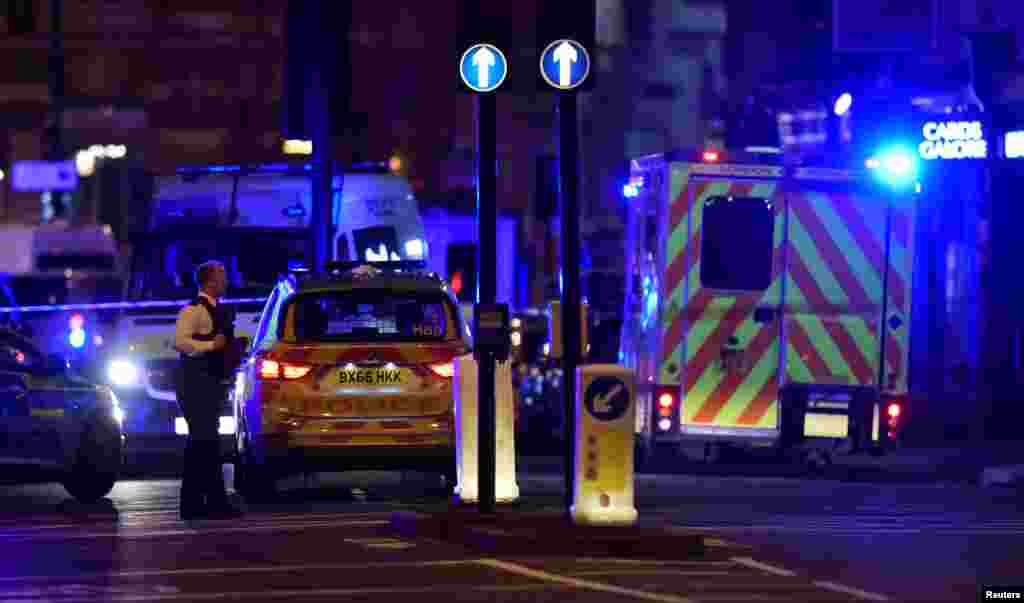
pixel 96 466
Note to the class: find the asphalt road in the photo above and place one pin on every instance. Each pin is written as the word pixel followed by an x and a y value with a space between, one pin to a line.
pixel 774 539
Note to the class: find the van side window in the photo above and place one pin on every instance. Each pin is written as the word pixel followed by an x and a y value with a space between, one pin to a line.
pixel 737 244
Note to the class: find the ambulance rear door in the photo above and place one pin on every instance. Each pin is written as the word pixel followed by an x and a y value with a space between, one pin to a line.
pixel 833 296
pixel 727 279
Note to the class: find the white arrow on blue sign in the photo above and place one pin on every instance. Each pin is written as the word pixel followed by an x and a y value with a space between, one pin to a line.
pixel 565 64
pixel 42 176
pixel 483 68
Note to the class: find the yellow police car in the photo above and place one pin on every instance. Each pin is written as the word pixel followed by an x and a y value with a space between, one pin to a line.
pixel 351 370
pixel 52 420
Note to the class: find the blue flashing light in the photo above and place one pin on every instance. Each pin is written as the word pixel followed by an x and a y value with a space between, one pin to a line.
pixel 629 191
pixel 896 166
pixel 843 103
pixel 77 338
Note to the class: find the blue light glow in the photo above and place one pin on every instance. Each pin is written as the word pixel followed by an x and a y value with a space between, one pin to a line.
pixel 843 104
pixel 77 338
pixel 896 166
pixel 629 191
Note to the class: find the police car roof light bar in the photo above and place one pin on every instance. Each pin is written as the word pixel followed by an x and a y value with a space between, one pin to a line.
pixel 396 266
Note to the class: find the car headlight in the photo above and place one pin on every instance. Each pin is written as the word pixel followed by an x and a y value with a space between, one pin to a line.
pixel 123 373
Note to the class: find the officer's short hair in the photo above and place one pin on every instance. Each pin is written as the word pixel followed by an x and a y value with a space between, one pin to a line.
pixel 205 271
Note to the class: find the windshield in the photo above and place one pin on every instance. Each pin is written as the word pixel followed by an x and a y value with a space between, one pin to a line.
pixel 254 262
pixel 369 316
pixel 376 244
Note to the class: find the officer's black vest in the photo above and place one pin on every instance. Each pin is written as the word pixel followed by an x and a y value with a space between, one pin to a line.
pixel 210 363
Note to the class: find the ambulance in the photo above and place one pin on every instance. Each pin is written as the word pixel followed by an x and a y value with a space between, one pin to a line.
pixel 256 220
pixel 767 304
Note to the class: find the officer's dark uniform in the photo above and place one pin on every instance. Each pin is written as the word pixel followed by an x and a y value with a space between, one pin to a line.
pixel 201 392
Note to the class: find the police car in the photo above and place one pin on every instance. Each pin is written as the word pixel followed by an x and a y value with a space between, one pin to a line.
pixel 351 370
pixel 52 420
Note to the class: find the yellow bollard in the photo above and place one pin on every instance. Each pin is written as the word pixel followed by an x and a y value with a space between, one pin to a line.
pixel 506 488
pixel 603 492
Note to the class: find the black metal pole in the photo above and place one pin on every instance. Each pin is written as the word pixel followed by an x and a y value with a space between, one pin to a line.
pixel 55 148
pixel 487 223
pixel 568 175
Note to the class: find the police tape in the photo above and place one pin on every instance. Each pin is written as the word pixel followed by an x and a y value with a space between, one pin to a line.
pixel 123 305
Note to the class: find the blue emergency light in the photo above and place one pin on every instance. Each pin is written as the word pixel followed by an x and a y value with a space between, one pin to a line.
pixel 895 166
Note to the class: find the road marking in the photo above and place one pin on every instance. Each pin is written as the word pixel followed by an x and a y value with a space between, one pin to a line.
pixel 515 568
pixel 381 543
pixel 849 590
pixel 725 544
pixel 212 571
pixel 654 571
pixel 771 569
pixel 667 562
pixel 283 594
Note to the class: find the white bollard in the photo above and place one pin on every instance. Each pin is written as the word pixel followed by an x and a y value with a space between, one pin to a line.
pixel 605 419
pixel 506 488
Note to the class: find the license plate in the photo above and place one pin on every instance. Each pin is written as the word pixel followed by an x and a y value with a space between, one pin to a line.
pixel 371 377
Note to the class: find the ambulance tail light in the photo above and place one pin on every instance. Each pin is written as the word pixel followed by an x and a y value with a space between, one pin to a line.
pixel 666 400
pixel 275 370
pixel 894 410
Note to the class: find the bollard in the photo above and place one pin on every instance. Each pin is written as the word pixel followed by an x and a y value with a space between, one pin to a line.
pixel 605 420
pixel 506 488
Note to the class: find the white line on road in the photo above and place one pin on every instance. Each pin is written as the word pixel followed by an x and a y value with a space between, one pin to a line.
pixel 521 570
pixel 848 590
pixel 771 569
pixel 653 571
pixel 213 571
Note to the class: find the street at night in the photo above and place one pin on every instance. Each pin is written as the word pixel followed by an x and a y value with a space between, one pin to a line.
pixel 768 539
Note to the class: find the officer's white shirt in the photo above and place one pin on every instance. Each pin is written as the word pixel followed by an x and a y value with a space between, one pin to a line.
pixel 192 321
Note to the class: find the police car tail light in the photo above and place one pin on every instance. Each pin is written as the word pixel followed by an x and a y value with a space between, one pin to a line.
pixel 710 156
pixel 272 369
pixel 444 369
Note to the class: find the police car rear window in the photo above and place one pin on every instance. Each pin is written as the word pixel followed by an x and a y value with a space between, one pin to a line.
pixel 368 316
pixel 737 244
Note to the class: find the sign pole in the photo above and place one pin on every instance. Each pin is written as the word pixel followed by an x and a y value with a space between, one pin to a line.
pixel 55 150
pixel 568 166
pixel 487 257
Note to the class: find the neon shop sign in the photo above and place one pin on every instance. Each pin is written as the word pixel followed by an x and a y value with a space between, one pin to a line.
pixel 953 140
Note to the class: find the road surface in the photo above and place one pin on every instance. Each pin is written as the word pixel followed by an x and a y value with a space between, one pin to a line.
pixel 773 539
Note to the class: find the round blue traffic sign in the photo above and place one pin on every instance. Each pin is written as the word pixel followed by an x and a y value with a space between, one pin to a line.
pixel 565 64
pixel 606 398
pixel 483 68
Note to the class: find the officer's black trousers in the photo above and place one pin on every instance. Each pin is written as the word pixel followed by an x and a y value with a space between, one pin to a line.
pixel 202 481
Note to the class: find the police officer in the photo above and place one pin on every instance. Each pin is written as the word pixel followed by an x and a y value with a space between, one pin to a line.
pixel 202 332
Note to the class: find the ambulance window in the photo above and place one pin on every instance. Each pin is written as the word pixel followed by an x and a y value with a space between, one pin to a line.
pixel 737 246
